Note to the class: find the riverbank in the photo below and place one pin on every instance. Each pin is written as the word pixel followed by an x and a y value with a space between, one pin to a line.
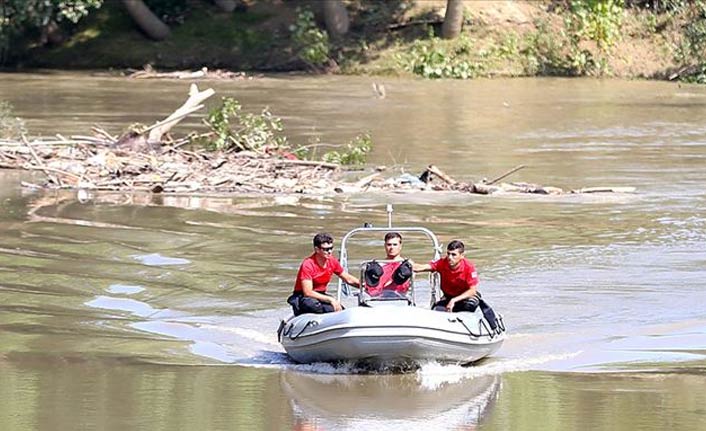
pixel 499 39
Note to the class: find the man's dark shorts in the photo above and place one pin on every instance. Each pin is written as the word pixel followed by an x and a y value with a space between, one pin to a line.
pixel 303 304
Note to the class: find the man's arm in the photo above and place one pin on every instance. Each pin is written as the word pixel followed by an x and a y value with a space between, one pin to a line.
pixel 350 279
pixel 308 290
pixel 421 267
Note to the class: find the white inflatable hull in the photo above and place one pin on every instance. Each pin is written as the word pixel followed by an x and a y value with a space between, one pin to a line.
pixel 389 335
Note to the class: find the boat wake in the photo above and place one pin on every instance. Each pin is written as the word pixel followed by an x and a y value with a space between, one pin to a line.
pixel 250 340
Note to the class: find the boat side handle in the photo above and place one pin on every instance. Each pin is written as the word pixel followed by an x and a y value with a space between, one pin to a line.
pixel 481 324
pixel 294 337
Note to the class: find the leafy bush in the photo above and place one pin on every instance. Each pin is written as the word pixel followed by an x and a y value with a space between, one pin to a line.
pixel 18 16
pixel 311 43
pixel 697 76
pixel 545 52
pixel 232 128
pixel 693 41
pixel 355 154
pixel 596 20
pixel 431 59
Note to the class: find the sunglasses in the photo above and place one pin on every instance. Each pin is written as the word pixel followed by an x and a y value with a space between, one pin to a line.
pixel 326 248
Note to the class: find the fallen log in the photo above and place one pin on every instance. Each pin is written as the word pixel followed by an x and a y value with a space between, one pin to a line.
pixel 439 173
pixel 192 104
pixel 313 163
pixel 506 174
pixel 605 190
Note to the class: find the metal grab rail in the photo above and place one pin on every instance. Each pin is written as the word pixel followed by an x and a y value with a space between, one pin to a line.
pixel 343 288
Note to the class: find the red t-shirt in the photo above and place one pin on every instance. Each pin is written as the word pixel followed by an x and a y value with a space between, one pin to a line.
pixel 457 280
pixel 387 270
pixel 319 275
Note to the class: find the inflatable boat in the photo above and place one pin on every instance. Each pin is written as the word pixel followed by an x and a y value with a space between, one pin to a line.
pixel 388 328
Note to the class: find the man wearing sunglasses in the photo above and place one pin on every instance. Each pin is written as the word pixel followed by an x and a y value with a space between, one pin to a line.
pixel 314 274
pixel 458 280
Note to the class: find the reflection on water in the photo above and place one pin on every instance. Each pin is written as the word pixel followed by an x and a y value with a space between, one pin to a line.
pixel 94 287
pixel 409 402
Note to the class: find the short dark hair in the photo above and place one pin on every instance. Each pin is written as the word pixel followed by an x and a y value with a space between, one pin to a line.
pixel 322 238
pixel 393 235
pixel 456 245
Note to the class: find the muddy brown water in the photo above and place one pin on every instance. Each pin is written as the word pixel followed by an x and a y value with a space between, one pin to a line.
pixel 159 312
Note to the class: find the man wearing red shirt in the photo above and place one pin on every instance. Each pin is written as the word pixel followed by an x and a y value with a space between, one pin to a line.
pixel 314 274
pixel 391 277
pixel 458 279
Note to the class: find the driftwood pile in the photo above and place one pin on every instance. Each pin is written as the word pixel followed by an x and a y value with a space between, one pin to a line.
pixel 148 72
pixel 151 161
pixel 89 163
pixel 486 187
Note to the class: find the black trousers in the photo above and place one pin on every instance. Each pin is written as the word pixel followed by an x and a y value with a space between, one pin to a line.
pixel 303 304
pixel 470 305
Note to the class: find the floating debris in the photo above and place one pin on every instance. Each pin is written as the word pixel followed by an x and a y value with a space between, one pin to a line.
pixel 150 160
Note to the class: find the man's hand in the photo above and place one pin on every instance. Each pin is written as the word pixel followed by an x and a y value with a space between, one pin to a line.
pixel 450 305
pixel 336 305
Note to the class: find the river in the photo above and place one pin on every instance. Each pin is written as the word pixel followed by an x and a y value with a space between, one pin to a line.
pixel 130 311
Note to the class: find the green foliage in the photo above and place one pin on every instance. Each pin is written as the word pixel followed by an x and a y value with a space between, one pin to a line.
pixel 233 129
pixel 698 76
pixel 431 59
pixel 310 42
pixel 544 52
pixel 596 20
pixel 509 46
pixel 581 62
pixel 693 42
pixel 11 127
pixel 356 152
pixel 20 16
pixel 565 52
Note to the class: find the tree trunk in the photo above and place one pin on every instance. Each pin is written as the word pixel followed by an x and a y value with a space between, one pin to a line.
pixel 453 20
pixel 336 18
pixel 146 20
pixel 226 5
